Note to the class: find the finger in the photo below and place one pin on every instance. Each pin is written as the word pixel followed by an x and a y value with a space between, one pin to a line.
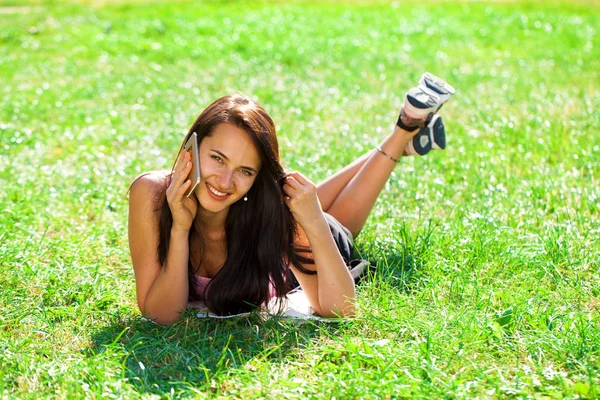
pixel 183 159
pixel 183 188
pixel 289 190
pixel 293 182
pixel 291 174
pixel 184 156
pixel 179 159
pixel 302 179
pixel 181 175
pixel 174 186
pixel 286 201
pixel 177 195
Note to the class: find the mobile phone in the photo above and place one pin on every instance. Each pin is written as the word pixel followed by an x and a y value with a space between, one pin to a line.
pixel 194 176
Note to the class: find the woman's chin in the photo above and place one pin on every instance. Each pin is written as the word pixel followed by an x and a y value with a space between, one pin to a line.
pixel 214 206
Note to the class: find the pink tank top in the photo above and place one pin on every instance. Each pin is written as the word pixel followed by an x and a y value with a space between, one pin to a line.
pixel 201 284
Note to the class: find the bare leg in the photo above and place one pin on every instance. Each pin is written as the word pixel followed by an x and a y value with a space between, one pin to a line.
pixel 350 194
pixel 330 188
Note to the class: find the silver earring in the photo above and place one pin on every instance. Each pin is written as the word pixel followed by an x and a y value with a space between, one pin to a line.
pixel 246 197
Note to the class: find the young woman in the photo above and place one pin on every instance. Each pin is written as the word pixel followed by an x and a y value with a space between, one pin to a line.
pixel 250 231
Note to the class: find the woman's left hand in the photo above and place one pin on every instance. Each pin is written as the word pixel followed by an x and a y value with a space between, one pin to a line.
pixel 300 195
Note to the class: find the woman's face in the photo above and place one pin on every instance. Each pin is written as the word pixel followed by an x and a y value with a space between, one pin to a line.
pixel 229 163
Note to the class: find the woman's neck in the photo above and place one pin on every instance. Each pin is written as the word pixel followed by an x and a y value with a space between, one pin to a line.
pixel 212 225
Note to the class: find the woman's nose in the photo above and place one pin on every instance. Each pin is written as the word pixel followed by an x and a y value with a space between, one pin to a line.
pixel 224 179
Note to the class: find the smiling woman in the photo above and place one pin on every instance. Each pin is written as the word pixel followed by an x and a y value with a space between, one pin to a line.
pixel 250 231
pixel 229 160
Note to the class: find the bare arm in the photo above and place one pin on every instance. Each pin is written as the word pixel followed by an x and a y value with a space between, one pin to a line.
pixel 162 293
pixel 331 291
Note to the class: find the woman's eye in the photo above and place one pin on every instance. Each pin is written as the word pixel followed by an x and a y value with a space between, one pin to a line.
pixel 218 159
pixel 246 172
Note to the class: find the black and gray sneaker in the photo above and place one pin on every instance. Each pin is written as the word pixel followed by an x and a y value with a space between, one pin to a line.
pixel 419 112
pixel 421 143
pixel 419 105
pixel 437 85
pixel 437 133
pixel 430 137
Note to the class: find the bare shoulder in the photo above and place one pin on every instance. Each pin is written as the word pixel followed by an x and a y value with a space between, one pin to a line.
pixel 145 203
pixel 148 187
pixel 152 179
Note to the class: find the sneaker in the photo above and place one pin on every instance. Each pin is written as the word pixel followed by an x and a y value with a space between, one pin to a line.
pixel 438 86
pixel 419 110
pixel 420 144
pixel 430 137
pixel 437 132
pixel 418 104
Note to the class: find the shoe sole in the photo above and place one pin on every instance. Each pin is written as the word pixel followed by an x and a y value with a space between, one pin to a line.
pixel 420 144
pixel 430 137
pixel 420 102
pixel 437 133
pixel 437 85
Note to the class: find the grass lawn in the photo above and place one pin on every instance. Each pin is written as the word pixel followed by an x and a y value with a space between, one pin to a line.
pixel 488 271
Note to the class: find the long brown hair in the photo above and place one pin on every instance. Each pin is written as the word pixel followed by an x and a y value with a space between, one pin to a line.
pixel 259 232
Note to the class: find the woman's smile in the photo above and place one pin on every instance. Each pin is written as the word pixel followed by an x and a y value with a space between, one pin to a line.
pixel 215 194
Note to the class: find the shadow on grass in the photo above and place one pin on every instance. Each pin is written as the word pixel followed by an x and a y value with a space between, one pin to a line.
pixel 196 355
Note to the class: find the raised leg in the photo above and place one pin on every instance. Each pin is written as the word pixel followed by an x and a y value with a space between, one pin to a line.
pixel 329 189
pixel 350 194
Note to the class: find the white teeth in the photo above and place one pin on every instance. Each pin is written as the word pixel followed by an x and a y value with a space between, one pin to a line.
pixel 215 191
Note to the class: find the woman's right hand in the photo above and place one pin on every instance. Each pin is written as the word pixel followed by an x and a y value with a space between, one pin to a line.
pixel 182 208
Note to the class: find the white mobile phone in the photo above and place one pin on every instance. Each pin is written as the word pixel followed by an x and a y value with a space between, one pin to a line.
pixel 194 176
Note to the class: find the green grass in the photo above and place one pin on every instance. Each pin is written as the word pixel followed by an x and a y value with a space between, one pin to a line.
pixel 488 281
